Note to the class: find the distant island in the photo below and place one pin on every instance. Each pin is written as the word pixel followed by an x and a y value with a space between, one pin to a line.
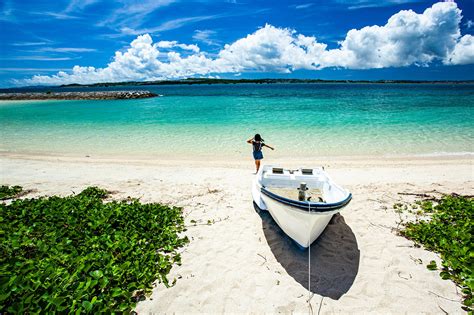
pixel 191 81
pixel 54 90
pixel 105 95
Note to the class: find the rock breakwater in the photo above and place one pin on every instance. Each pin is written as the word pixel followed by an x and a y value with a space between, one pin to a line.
pixel 102 95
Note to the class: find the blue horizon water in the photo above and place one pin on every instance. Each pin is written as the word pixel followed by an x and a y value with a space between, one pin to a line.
pixel 213 121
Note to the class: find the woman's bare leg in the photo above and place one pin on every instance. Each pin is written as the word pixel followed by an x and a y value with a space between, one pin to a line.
pixel 257 164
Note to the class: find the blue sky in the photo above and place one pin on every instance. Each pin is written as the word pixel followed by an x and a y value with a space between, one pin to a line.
pixel 42 41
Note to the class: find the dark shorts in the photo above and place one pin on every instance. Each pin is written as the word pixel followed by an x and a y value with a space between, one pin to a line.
pixel 257 155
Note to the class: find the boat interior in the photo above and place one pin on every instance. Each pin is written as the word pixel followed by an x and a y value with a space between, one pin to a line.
pixel 288 183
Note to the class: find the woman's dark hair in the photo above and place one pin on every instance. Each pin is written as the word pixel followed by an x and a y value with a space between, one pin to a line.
pixel 258 137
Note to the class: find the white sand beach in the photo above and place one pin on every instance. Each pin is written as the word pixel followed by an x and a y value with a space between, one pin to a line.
pixel 243 263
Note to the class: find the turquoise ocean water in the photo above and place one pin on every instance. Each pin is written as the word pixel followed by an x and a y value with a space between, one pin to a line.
pixel 213 121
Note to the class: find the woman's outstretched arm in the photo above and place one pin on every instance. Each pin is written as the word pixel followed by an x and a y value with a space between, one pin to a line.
pixel 269 146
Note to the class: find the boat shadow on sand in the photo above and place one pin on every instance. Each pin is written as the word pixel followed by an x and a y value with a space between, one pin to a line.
pixel 334 256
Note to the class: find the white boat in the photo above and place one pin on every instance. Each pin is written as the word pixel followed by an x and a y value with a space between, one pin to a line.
pixel 301 201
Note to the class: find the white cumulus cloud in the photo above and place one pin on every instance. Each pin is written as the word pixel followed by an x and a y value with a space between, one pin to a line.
pixel 463 52
pixel 408 38
pixel 271 49
pixel 170 44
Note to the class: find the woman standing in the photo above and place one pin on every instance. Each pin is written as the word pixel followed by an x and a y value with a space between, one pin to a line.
pixel 258 144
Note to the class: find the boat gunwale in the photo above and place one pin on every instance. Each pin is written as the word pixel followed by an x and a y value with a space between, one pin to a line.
pixel 303 205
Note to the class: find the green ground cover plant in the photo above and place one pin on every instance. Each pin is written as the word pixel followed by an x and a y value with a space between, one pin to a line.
pixel 82 254
pixel 446 226
pixel 8 192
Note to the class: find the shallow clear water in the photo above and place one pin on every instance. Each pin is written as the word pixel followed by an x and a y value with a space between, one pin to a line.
pixel 213 121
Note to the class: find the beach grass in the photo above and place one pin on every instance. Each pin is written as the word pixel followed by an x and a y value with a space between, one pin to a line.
pixel 82 253
pixel 446 226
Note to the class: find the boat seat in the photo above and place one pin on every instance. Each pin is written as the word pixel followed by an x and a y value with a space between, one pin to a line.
pixel 310 178
pixel 277 170
pixel 277 176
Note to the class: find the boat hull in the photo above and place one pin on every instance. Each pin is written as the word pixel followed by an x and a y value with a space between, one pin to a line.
pixel 302 226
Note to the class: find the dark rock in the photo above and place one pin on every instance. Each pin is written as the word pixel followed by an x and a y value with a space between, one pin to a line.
pixel 98 95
